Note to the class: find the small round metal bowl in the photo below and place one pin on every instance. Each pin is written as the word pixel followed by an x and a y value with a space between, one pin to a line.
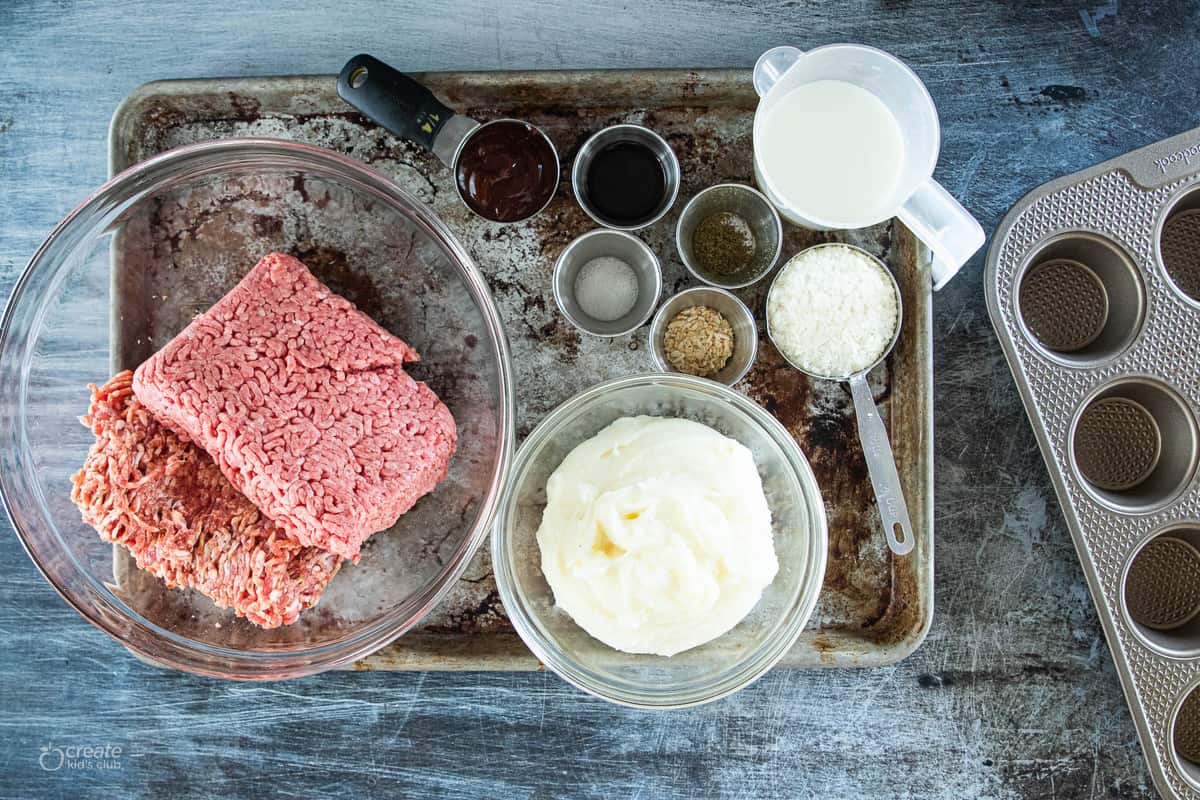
pixel 745 331
pixel 754 209
pixel 713 670
pixel 595 244
pixel 615 134
pixel 555 170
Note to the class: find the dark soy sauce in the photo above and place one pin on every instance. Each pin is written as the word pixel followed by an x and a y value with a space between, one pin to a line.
pixel 626 183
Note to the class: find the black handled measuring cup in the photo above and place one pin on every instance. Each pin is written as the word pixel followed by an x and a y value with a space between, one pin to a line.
pixel 505 170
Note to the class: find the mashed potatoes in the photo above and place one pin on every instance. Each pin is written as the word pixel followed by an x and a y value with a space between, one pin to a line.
pixel 656 536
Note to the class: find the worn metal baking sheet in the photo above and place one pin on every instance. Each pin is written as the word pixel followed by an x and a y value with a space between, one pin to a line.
pixel 1124 204
pixel 874 609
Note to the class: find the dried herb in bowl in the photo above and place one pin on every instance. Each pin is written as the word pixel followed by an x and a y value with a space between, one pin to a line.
pixel 723 244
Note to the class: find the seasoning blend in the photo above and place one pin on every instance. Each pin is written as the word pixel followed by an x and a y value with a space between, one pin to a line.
pixel 729 235
pixel 723 243
pixel 699 341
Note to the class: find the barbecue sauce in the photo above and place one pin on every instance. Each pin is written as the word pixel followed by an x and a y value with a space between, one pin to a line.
pixel 507 171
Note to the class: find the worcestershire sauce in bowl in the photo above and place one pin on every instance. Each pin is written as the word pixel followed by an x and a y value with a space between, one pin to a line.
pixel 506 171
pixel 626 183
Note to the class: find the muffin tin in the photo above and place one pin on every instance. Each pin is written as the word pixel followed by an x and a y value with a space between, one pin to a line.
pixel 1093 287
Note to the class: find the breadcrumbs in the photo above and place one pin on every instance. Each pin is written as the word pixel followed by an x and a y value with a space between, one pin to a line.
pixel 833 311
pixel 699 341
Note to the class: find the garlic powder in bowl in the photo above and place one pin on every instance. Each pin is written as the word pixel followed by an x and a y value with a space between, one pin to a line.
pixel 833 311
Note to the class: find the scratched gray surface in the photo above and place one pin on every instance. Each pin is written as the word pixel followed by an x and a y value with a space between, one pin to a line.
pixel 1012 696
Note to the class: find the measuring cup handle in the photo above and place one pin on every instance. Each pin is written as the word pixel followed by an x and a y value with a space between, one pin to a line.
pixel 944 226
pixel 881 466
pixel 392 99
pixel 772 64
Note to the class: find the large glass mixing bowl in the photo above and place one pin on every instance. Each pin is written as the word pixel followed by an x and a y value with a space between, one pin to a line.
pixel 129 268
pixel 723 665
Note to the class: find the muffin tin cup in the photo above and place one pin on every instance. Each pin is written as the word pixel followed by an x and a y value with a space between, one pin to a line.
pixel 1081 299
pixel 1178 244
pixel 1092 286
pixel 1183 733
pixel 1160 590
pixel 1133 444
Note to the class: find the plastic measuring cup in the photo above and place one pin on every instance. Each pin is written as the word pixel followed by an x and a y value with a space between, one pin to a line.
pixel 921 203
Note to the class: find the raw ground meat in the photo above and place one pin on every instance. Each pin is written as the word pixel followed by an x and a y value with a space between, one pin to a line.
pixel 303 402
pixel 164 500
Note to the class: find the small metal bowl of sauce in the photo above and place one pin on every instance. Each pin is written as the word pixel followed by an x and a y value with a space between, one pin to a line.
pixel 505 170
pixel 625 177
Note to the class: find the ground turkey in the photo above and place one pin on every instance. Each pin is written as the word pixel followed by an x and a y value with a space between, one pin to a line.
pixel 165 501
pixel 303 402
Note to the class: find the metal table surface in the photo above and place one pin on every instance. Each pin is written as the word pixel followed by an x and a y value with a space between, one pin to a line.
pixel 1013 694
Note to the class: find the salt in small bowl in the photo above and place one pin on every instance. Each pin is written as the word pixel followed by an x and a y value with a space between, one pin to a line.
pixel 606 242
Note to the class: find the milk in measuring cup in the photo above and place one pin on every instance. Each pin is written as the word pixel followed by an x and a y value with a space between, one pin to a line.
pixel 834 152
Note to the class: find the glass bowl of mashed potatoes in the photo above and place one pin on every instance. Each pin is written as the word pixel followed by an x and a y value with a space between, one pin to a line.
pixel 661 542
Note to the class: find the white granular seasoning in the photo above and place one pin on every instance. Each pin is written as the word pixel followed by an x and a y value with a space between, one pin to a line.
pixel 606 288
pixel 832 311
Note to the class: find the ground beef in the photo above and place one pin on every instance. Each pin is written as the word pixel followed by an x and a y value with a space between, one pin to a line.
pixel 164 500
pixel 303 402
